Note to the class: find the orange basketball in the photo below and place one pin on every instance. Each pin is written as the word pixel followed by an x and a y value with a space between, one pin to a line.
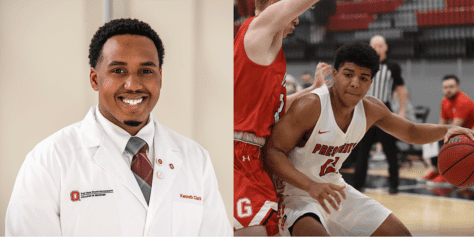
pixel 456 161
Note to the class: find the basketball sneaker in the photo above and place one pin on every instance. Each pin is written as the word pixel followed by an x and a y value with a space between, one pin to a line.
pixel 466 192
pixel 439 181
pixel 441 191
pixel 428 176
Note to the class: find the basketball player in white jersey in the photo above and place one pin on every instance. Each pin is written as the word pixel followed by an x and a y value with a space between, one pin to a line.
pixel 309 144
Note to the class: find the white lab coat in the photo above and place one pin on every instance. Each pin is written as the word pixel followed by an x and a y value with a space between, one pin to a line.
pixel 80 161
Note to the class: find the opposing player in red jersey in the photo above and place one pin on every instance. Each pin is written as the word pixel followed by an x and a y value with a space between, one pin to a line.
pixel 259 101
pixel 457 109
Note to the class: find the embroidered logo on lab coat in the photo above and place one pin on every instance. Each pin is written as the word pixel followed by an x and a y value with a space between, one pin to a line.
pixel 77 196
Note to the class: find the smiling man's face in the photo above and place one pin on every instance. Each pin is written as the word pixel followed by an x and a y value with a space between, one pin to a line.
pixel 128 79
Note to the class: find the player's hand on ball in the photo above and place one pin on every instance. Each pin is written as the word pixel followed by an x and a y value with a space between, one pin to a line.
pixel 328 192
pixel 322 71
pixel 458 130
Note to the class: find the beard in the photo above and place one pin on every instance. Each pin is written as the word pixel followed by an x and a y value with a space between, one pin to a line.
pixel 452 97
pixel 132 123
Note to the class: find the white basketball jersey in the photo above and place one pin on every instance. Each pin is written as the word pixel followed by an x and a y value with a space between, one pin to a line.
pixel 328 146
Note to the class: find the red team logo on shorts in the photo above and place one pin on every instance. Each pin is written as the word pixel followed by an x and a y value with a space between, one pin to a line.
pixel 244 208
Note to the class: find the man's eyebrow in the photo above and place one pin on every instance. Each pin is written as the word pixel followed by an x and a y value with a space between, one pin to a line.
pixel 118 63
pixel 350 70
pixel 115 63
pixel 148 64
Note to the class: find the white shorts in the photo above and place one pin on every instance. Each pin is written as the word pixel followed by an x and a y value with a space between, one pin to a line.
pixel 358 214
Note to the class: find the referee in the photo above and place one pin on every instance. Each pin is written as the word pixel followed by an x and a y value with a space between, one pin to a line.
pixel 387 80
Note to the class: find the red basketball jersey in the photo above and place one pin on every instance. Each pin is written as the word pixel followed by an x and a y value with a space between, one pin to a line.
pixel 259 91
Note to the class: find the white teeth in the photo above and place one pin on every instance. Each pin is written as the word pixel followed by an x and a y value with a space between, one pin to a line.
pixel 132 102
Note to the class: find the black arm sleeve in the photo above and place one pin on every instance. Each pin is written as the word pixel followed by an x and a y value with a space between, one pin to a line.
pixel 396 74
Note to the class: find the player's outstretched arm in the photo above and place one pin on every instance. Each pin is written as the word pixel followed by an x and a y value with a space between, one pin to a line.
pixel 322 71
pixel 276 16
pixel 300 119
pixel 266 30
pixel 407 131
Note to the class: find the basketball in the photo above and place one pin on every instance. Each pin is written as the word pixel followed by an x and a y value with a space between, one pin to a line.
pixel 456 161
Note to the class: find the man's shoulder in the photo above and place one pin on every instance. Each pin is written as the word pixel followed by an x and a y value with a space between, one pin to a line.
pixel 68 134
pixel 372 105
pixel 66 139
pixel 181 142
pixel 308 103
pixel 463 98
pixel 392 66
pixel 193 155
pixel 444 101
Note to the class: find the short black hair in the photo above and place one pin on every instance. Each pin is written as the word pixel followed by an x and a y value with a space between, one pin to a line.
pixel 359 53
pixel 451 76
pixel 122 27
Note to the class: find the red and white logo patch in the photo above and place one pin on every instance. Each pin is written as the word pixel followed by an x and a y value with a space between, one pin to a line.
pixel 75 196
pixel 78 196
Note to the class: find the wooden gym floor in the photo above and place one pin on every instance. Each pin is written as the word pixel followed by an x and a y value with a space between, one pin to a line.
pixel 423 210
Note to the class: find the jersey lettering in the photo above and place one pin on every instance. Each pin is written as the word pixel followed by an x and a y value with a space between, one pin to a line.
pixel 328 153
pixel 353 146
pixel 347 148
pixel 329 167
pixel 316 148
pixel 341 148
pixel 244 207
pixel 323 150
pixel 333 150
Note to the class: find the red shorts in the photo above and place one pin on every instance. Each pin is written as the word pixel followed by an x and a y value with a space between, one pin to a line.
pixel 255 200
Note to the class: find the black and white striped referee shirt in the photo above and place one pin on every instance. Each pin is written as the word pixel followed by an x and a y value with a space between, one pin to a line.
pixel 385 82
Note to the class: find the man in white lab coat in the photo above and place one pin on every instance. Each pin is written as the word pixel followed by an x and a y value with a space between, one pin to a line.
pixel 84 180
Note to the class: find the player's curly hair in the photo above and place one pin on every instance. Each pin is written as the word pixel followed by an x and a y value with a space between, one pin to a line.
pixel 359 53
pixel 121 27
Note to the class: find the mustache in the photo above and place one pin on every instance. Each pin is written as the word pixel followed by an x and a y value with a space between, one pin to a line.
pixel 133 92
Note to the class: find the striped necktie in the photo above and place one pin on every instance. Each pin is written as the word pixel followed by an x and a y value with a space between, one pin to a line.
pixel 141 166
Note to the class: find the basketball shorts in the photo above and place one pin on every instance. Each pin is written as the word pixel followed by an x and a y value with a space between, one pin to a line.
pixel 358 214
pixel 255 201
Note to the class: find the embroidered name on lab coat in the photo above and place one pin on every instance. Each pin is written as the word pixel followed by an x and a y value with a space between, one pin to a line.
pixel 190 197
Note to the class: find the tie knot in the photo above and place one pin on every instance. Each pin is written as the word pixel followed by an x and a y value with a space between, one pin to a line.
pixel 135 145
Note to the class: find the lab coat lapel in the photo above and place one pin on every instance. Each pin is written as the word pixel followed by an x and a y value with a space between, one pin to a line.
pixel 165 173
pixel 107 156
pixel 111 161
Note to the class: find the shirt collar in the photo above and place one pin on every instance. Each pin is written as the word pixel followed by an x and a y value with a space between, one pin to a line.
pixel 120 137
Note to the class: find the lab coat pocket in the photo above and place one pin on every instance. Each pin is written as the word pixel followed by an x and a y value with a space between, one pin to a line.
pixel 187 218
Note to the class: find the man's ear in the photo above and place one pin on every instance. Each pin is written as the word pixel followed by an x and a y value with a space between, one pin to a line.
pixel 94 80
pixel 161 77
pixel 334 73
